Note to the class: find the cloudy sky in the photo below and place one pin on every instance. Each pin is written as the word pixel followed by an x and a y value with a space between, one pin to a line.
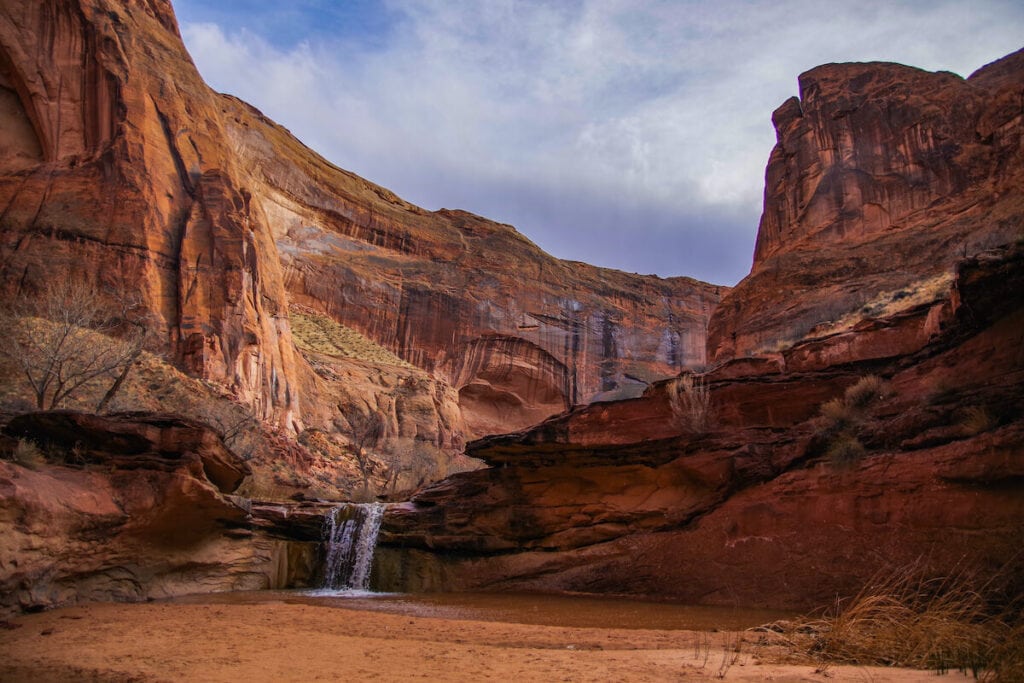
pixel 626 133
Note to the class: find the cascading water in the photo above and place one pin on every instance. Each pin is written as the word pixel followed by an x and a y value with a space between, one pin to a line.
pixel 350 534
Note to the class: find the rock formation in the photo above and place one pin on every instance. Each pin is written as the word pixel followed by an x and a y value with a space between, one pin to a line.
pixel 518 334
pixel 883 177
pixel 150 517
pixel 889 255
pixel 117 162
pixel 889 248
pixel 773 506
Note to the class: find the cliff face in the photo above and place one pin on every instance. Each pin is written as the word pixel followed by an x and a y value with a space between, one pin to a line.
pixel 115 168
pixel 118 163
pixel 883 177
pixel 775 505
pixel 889 257
pixel 518 334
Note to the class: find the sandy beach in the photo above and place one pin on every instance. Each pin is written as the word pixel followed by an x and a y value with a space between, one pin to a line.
pixel 281 641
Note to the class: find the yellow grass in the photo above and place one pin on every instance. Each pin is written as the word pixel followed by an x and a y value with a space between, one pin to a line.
pixel 904 618
pixel 314 332
pixel 889 303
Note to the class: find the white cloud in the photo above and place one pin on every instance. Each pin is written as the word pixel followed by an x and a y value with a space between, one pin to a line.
pixel 583 121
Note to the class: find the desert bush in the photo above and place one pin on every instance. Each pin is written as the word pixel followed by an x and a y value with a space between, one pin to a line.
pixel 845 450
pixel 865 391
pixel 836 414
pixel 976 420
pixel 903 617
pixel 27 454
pixel 690 400
pixel 839 418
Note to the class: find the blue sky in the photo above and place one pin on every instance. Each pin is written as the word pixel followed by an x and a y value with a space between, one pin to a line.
pixel 631 134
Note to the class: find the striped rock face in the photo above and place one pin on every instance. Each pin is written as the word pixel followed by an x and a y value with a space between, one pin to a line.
pixel 117 162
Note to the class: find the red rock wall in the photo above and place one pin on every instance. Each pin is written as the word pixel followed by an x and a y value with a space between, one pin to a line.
pixel 133 186
pixel 520 334
pixel 617 498
pixel 118 163
pixel 882 176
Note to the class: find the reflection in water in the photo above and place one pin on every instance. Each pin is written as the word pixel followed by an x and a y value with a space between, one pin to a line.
pixel 518 608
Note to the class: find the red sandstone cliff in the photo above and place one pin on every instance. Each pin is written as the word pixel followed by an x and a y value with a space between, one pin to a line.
pixel 890 252
pixel 118 163
pixel 774 505
pixel 115 166
pixel 882 178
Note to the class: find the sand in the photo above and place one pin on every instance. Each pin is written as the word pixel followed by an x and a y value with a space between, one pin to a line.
pixel 278 641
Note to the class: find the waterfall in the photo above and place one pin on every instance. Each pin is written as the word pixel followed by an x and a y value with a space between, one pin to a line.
pixel 350 536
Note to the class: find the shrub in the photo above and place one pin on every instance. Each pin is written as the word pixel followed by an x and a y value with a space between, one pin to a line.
pixel 845 450
pixel 839 417
pixel 865 391
pixel 690 400
pixel 27 454
pixel 67 338
pixel 836 414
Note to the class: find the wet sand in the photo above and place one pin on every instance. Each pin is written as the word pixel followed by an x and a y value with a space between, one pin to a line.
pixel 293 640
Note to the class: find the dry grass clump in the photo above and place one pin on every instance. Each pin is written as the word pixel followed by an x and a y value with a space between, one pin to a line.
pixel 27 454
pixel 314 332
pixel 690 400
pixel 976 420
pixel 845 450
pixel 836 414
pixel 903 618
pixel 840 417
pixel 865 391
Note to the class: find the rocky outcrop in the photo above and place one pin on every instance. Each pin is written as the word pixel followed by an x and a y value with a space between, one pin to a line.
pixel 116 170
pixel 520 335
pixel 130 507
pixel 118 163
pixel 766 508
pixel 883 177
pixel 135 440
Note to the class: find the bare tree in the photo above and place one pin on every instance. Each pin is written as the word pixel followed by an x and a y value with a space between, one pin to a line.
pixel 363 430
pixel 690 400
pixel 65 339
pixel 410 460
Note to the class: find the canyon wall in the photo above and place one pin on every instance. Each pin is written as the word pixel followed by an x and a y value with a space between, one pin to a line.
pixel 119 164
pixel 882 178
pixel 774 505
pixel 520 335
pixel 889 256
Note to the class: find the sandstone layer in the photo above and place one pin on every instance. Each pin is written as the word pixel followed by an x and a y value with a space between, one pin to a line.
pixel 118 163
pixel 766 508
pixel 130 507
pixel 883 177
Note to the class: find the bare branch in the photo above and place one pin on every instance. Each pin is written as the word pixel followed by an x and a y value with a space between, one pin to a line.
pixel 690 400
pixel 61 340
